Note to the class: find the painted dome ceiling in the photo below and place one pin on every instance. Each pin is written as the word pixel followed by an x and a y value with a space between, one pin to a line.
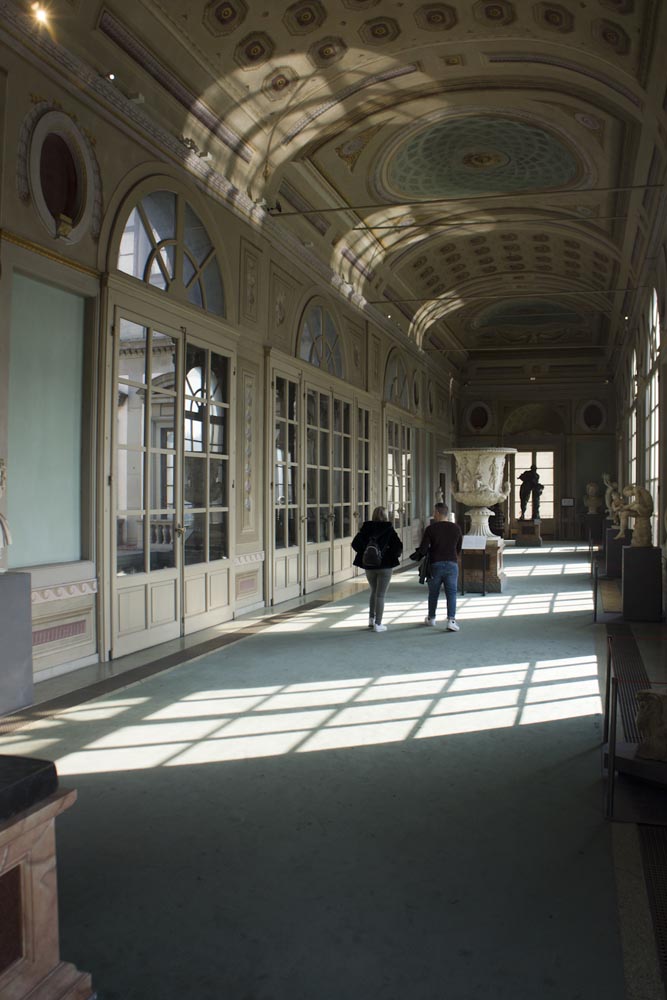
pixel 479 155
pixel 481 178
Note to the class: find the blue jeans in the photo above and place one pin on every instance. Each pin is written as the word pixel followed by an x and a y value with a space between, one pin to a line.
pixel 447 573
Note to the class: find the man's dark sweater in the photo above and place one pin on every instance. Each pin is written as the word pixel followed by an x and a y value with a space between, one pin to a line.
pixel 443 540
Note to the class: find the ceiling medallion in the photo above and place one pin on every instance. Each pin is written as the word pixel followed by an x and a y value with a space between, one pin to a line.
pixel 303 17
pixel 499 13
pixel 612 35
pixel 485 160
pixel 278 83
pixel 327 51
pixel 253 50
pixel 436 16
pixel 379 31
pixel 224 18
pixel 553 16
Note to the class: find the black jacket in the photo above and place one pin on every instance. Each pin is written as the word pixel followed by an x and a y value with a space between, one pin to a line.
pixel 388 541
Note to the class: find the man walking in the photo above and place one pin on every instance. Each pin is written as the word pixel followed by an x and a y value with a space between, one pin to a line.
pixel 442 540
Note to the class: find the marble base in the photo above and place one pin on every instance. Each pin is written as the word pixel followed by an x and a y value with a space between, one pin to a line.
pixel 613 551
pixel 528 533
pixel 642 583
pixel 24 781
pixel 593 527
pixel 475 583
pixel 30 963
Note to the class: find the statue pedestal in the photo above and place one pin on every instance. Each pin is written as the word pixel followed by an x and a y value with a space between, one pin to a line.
pixel 642 583
pixel 594 527
pixel 16 688
pixel 613 552
pixel 529 533
pixel 487 576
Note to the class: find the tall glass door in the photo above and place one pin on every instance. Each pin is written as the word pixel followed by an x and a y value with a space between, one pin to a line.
pixel 145 483
pixel 328 488
pixel 399 478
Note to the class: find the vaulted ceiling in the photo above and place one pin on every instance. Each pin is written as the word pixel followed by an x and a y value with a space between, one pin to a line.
pixel 487 175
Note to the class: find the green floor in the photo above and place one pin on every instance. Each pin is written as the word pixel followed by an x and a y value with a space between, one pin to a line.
pixel 319 812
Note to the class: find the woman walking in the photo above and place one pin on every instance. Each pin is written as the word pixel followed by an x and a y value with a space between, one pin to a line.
pixel 378 549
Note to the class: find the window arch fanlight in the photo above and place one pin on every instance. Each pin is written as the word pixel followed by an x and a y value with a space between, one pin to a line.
pixel 320 342
pixel 166 245
pixel 396 388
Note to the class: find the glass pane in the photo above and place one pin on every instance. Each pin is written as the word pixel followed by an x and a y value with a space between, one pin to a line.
pixel 279 486
pixel 130 480
pixel 292 412
pixel 281 390
pixel 347 522
pixel 347 453
pixel 324 524
pixel 195 367
pixel 337 487
pixel 160 210
pixel 281 442
pixel 135 246
pixel 311 525
pixel 195 296
pixel 292 527
pixel 195 236
pixel 189 270
pixel 280 529
pixel 214 295
pixel 129 545
pixel 311 486
pixel 163 555
pixel 218 430
pixel 324 411
pixel 162 481
pixel 311 409
pixel 544 460
pixel 324 486
pixel 324 448
pixel 193 426
pixel 291 484
pixel 156 276
pixel 347 487
pixel 163 420
pixel 194 481
pixel 337 415
pixel 291 450
pixel 217 482
pixel 219 378
pixel 338 523
pixel 132 351
pixel 195 528
pixel 130 416
pixel 311 446
pixel 163 359
pixel 168 255
pixel 217 536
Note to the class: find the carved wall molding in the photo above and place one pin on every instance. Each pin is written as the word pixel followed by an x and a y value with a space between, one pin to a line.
pixel 249 558
pixel 64 591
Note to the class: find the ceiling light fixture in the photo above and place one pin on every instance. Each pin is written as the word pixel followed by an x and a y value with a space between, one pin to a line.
pixel 39 13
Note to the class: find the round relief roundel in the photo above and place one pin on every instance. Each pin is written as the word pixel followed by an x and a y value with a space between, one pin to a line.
pixel 479 154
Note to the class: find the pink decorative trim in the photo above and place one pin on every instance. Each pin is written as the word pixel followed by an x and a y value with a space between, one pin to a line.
pixel 58 632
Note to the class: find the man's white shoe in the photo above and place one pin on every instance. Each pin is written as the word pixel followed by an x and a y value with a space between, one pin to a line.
pixel 429 621
pixel 451 625
pixel 379 628
pixel 371 622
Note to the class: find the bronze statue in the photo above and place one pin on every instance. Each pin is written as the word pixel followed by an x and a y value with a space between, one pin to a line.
pixel 530 487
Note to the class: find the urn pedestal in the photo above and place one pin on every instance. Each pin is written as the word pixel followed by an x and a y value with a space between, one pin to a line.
pixel 481 484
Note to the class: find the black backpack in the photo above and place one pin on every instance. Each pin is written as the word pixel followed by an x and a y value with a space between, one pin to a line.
pixel 372 557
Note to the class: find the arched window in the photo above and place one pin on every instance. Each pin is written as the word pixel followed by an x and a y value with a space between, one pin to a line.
pixel 319 342
pixel 165 244
pixel 396 388
pixel 652 411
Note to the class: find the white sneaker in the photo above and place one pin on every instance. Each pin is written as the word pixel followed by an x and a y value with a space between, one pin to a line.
pixel 371 622
pixel 429 621
pixel 451 625
pixel 379 628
